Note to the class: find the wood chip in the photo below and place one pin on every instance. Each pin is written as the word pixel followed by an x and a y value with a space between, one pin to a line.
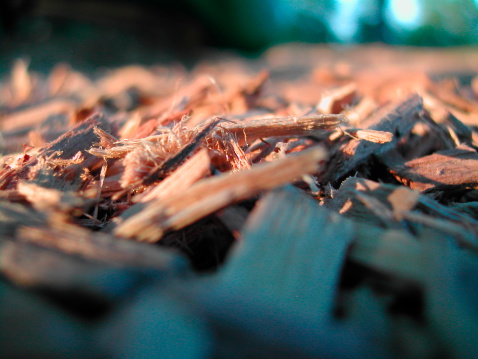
pixel 289 225
pixel 328 195
pixel 249 131
pixel 210 195
pixel 396 119
pixel 338 100
pixel 454 167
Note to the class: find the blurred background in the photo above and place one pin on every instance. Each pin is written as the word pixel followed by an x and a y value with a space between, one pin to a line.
pixel 94 33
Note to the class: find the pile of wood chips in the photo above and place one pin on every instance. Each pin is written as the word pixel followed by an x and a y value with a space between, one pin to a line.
pixel 311 203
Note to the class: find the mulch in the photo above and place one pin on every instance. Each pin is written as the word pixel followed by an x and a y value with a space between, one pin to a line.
pixel 315 202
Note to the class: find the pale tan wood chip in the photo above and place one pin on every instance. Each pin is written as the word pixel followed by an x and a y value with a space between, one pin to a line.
pixel 249 131
pixel 212 194
pixel 190 172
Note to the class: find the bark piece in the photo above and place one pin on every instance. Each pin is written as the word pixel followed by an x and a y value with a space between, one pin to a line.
pixel 279 286
pixel 79 138
pixel 60 164
pixel 454 167
pixel 372 202
pixel 398 207
pixel 396 119
pixel 284 228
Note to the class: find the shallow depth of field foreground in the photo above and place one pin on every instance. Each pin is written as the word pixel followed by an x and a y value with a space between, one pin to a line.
pixel 311 203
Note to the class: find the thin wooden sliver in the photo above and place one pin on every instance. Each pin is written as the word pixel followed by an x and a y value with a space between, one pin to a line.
pixel 249 131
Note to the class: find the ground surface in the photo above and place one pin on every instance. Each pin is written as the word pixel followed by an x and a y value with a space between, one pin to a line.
pixel 329 194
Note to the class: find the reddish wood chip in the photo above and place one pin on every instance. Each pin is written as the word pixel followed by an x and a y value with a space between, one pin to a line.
pixel 454 167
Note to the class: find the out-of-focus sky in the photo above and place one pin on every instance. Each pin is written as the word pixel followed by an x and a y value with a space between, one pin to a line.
pixel 405 14
pixel 414 22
